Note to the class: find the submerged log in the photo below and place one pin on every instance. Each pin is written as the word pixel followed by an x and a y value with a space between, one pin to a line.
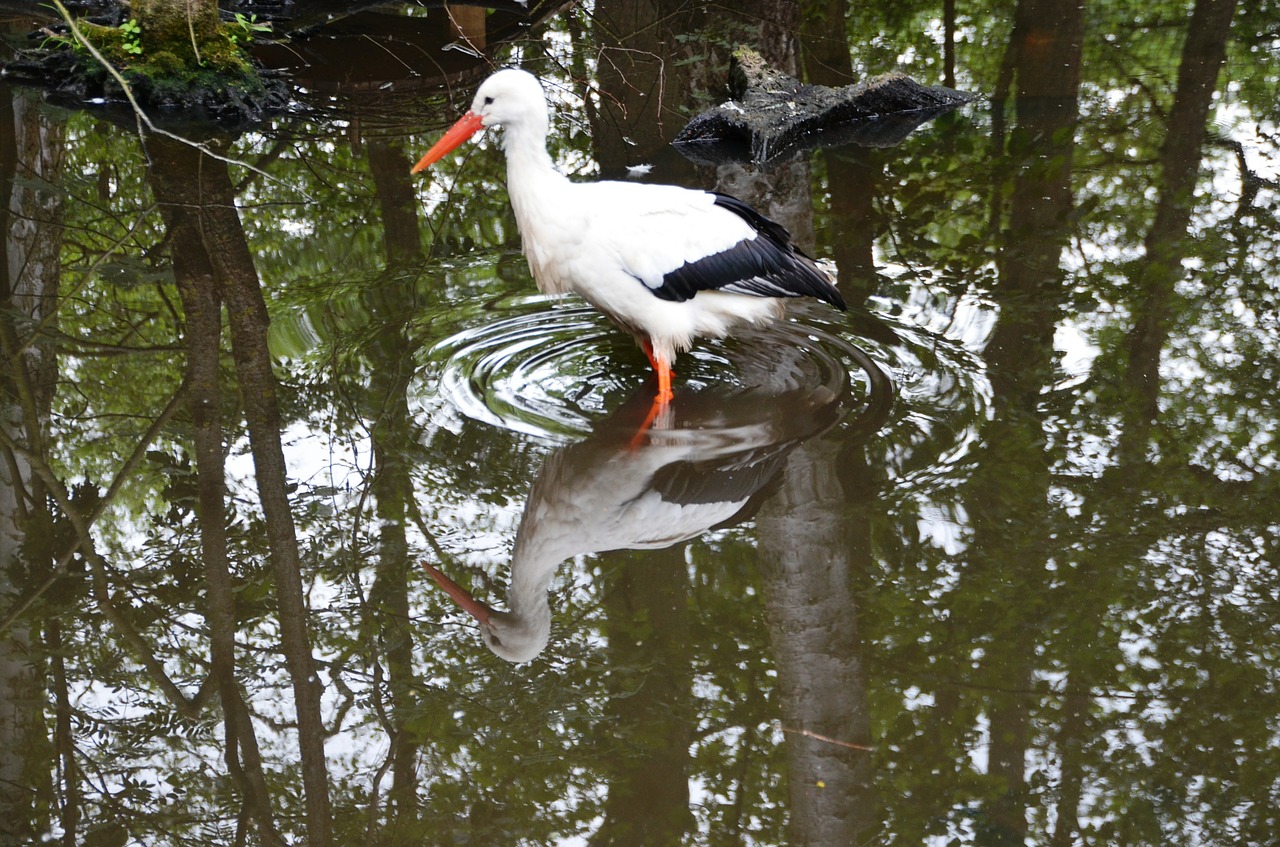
pixel 772 113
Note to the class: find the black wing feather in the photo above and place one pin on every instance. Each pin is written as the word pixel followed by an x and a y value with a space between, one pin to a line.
pixel 769 265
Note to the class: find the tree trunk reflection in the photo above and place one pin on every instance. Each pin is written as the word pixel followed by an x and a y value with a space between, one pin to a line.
pixel 391 357
pixel 1008 497
pixel 32 214
pixel 198 284
pixel 196 195
pixel 651 677
pixel 817 649
pixel 1203 54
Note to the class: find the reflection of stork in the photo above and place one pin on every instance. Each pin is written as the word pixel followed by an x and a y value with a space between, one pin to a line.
pixel 710 468
pixel 667 264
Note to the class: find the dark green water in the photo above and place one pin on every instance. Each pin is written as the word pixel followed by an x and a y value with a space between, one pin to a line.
pixel 1025 593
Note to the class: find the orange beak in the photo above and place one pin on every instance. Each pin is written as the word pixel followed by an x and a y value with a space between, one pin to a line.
pixel 469 604
pixel 467 126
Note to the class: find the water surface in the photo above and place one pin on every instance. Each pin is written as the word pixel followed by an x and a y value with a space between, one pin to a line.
pixel 989 559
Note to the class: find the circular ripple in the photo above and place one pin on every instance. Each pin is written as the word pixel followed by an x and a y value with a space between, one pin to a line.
pixel 541 370
pixel 553 371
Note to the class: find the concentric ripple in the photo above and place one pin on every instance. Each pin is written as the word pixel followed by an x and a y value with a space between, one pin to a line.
pixel 553 370
pixel 543 370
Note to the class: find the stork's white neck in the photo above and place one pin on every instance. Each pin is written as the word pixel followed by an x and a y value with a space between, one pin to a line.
pixel 532 179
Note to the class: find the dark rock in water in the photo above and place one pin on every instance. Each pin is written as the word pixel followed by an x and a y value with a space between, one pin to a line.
pixel 772 113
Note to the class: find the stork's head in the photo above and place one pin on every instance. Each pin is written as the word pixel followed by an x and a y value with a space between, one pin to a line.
pixel 508 98
pixel 512 637
pixel 511 98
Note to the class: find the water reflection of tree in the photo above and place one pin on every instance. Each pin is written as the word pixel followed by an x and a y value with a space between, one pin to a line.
pixel 817 651
pixel 1009 497
pixel 32 217
pixel 391 356
pixel 1091 659
pixel 1166 242
pixel 647 761
pixel 1040 634
pixel 644 80
pixel 213 265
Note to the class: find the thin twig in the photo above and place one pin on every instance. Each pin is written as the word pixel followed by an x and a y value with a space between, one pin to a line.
pixel 84 280
pixel 818 737
pixel 191 29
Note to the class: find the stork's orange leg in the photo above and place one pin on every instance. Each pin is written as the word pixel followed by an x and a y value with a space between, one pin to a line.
pixel 661 368
pixel 648 351
pixel 664 381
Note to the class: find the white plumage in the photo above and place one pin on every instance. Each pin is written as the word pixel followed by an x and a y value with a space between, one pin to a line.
pixel 667 264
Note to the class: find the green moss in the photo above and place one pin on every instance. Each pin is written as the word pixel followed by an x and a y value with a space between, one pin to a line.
pixel 167 56
pixel 108 40
pixel 165 63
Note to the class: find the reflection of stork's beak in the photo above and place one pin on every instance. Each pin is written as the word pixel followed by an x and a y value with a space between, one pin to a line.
pixel 469 604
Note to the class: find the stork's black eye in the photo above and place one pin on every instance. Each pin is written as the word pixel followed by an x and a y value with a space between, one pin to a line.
pixel 488 100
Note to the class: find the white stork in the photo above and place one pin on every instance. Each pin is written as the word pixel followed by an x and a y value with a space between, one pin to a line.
pixel 665 263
